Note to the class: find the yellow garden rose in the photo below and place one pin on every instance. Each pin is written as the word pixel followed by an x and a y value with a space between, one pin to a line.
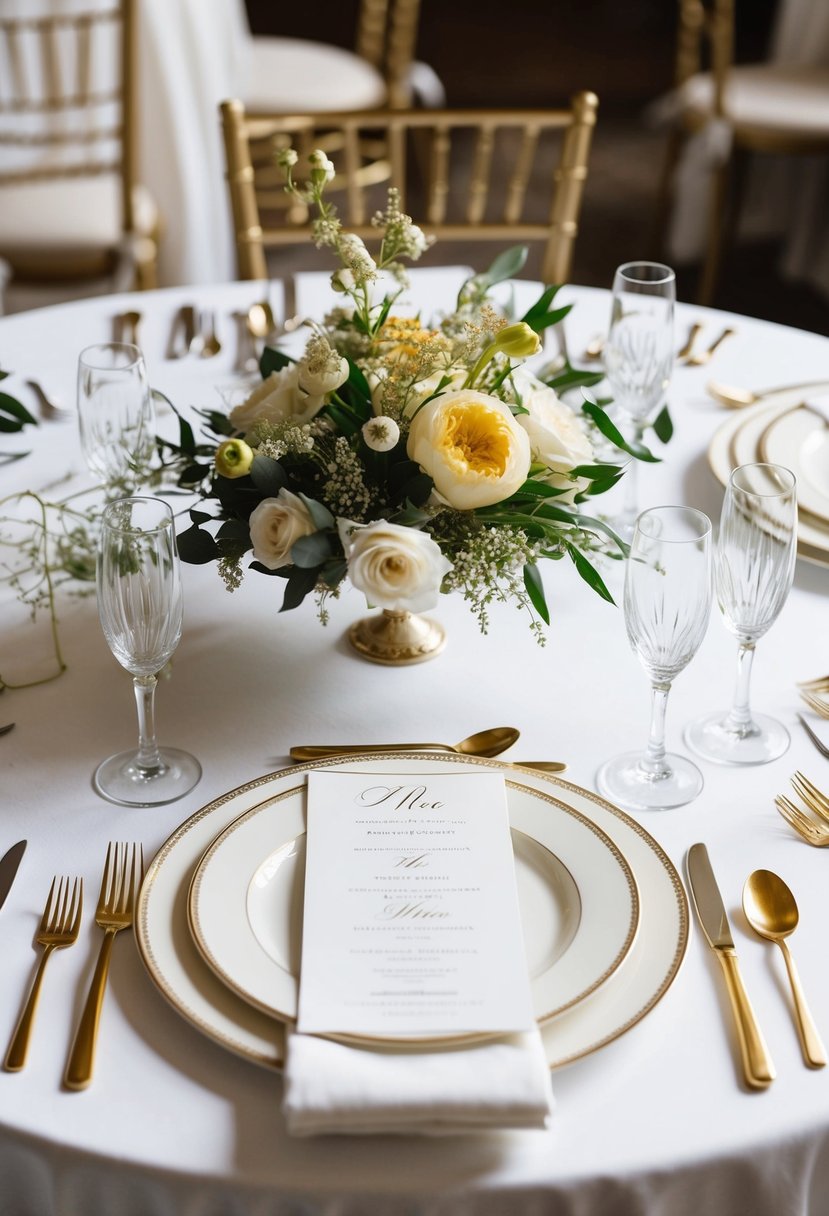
pixel 471 446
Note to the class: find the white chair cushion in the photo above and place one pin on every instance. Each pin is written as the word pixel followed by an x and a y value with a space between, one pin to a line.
pixel 294 75
pixel 779 97
pixel 70 213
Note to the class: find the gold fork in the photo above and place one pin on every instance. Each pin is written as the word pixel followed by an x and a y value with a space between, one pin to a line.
pixel 809 829
pixel 123 871
pixel 820 684
pixel 59 927
pixel 815 800
pixel 818 704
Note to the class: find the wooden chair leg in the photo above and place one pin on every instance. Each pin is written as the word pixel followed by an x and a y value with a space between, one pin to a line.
pixel 717 227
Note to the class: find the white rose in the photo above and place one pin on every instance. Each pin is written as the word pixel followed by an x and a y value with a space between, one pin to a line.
pixel 275 525
pixel 395 567
pixel 471 446
pixel 279 398
pixel 557 436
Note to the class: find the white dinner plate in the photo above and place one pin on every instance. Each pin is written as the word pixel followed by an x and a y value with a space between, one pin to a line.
pixel 799 439
pixel 182 976
pixel 737 442
pixel 576 893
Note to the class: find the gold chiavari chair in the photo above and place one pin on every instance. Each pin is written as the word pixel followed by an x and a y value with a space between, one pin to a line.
pixel 770 107
pixel 71 210
pixel 480 165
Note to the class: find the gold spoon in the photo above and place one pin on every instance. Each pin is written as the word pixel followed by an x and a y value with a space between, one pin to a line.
pixel 734 398
pixel 485 743
pixel 771 911
pixel 693 334
pixel 705 356
pixel 211 345
pixel 261 321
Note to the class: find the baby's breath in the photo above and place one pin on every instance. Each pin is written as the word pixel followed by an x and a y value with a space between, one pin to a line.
pixel 344 488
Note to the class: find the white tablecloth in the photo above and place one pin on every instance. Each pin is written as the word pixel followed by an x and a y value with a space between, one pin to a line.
pixel 655 1123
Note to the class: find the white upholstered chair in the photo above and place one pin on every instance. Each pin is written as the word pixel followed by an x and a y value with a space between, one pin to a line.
pixel 721 113
pixel 73 219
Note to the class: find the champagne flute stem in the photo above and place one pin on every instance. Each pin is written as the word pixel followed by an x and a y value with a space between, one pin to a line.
pixel 739 719
pixel 653 762
pixel 631 508
pixel 147 759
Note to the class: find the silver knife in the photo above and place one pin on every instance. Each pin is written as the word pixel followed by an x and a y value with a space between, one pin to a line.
pixel 757 1064
pixel 8 868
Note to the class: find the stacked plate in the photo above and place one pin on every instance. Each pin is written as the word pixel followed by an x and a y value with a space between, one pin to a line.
pixel 604 913
pixel 784 430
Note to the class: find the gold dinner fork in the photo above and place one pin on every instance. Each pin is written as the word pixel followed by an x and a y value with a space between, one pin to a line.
pixel 59 927
pixel 818 704
pixel 123 871
pixel 816 801
pixel 705 356
pixel 808 828
pixel 820 684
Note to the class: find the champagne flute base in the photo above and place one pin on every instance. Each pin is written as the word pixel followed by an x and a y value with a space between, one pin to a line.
pixel 712 738
pixel 120 780
pixel 625 781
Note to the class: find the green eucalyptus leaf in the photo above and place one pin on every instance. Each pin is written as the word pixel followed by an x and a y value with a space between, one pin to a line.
pixel 196 546
pixel 273 360
pixel 535 590
pixel 507 265
pixel 234 529
pixel 311 551
pixel 320 515
pixel 10 405
pixel 612 432
pixel 663 426
pixel 333 572
pixel 301 582
pixel 590 574
pixel 267 475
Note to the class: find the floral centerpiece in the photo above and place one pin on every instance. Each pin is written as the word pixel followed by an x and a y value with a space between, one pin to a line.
pixel 409 457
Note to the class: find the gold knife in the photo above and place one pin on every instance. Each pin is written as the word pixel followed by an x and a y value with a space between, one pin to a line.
pixel 757 1064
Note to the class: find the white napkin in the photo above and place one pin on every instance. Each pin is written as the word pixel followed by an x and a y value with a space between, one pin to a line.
pixel 332 1087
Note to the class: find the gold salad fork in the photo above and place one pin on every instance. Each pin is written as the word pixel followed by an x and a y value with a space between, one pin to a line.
pixel 123 871
pixel 812 831
pixel 819 684
pixel 815 800
pixel 816 703
pixel 59 927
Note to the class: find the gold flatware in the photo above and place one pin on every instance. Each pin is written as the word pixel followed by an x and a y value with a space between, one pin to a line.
pixel 50 408
pixel 594 349
pixel 705 356
pixel 125 327
pixel 816 801
pixel 693 333
pixel 9 865
pixel 758 1068
pixel 4 730
pixel 821 684
pixel 123 871
pixel 807 828
pixel 486 743
pixel 59 927
pixel 261 321
pixel 735 398
pixel 816 703
pixel 541 766
pixel 819 744
pixel 211 344
pixel 771 910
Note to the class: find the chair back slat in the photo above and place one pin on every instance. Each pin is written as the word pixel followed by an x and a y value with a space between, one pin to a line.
pixel 462 197
pixel 387 38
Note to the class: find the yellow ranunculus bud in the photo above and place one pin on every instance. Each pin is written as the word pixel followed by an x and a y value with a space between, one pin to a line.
pixel 233 458
pixel 518 341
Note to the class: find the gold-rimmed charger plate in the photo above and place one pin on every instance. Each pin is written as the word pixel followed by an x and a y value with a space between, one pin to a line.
pixel 576 893
pixel 736 442
pixel 184 979
pixel 799 439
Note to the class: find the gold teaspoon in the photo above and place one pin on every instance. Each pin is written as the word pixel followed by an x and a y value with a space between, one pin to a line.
pixel 735 398
pixel 693 334
pixel 771 911
pixel 486 743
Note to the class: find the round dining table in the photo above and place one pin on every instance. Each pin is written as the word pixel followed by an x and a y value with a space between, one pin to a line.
pixel 656 1121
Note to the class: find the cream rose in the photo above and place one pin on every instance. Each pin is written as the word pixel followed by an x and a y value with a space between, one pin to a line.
pixel 471 446
pixel 279 398
pixel 557 436
pixel 275 525
pixel 395 567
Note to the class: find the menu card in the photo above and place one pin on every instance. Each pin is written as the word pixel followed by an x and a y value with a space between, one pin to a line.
pixel 412 926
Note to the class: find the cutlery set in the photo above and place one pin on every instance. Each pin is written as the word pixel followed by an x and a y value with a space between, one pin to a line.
pixel 771 911
pixel 59 928
pixel 193 332
pixel 687 354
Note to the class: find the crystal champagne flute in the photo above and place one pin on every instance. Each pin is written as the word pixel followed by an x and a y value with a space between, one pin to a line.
pixel 115 415
pixel 667 598
pixel 140 606
pixel 754 567
pixel 639 356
